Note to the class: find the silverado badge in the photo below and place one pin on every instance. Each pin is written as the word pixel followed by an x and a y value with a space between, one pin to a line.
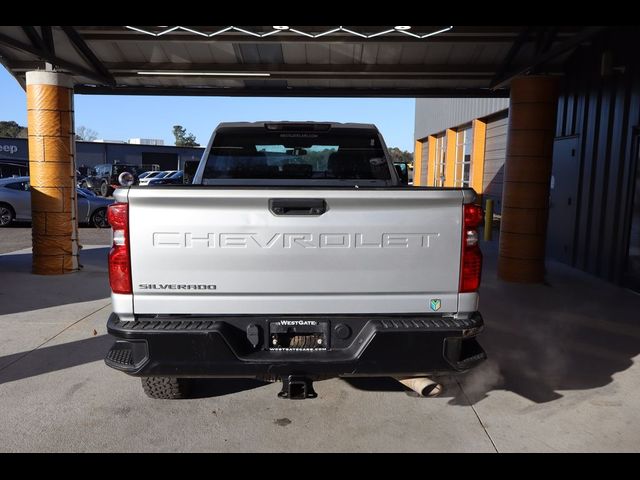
pixel 435 304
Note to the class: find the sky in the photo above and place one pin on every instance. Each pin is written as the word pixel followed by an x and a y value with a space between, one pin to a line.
pixel 120 117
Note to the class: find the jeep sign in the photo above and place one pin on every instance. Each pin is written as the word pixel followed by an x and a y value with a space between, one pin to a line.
pixel 8 149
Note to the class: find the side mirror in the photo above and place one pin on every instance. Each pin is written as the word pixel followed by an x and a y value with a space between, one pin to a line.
pixel 403 172
pixel 126 179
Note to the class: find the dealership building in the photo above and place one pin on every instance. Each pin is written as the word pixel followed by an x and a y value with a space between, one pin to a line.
pixel 15 151
pixel 461 142
pixel 592 185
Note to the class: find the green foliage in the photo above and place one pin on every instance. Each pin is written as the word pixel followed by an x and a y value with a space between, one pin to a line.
pixel 12 130
pixel 318 158
pixel 86 134
pixel 400 156
pixel 182 138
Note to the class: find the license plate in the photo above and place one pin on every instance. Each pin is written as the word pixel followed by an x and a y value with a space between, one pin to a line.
pixel 297 335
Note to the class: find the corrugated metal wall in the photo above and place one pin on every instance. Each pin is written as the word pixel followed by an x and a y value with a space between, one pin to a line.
pixel 433 115
pixel 495 150
pixel 603 110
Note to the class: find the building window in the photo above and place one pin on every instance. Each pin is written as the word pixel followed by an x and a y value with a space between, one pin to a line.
pixel 462 175
pixel 441 156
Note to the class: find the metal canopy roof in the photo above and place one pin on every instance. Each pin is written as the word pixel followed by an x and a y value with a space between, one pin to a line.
pixel 415 61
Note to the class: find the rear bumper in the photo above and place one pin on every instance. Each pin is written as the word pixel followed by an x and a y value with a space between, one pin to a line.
pixel 223 346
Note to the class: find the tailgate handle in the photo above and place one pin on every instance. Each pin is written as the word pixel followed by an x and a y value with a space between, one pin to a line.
pixel 297 206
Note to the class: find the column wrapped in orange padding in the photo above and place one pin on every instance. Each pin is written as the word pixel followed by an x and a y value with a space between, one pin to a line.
pixel 527 173
pixel 52 172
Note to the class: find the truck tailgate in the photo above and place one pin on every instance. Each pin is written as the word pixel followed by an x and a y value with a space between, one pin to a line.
pixel 223 251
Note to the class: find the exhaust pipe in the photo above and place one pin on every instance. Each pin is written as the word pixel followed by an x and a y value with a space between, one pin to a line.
pixel 423 386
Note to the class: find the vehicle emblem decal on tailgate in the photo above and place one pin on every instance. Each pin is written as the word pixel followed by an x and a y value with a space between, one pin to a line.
pixel 288 240
pixel 176 286
pixel 435 304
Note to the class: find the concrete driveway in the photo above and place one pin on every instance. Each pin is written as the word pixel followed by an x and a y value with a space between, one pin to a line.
pixel 562 376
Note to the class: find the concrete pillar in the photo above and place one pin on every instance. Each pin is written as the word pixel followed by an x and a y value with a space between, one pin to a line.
pixel 52 172
pixel 527 173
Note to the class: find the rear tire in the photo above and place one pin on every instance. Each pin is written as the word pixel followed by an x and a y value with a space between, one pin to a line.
pixel 166 388
pixel 7 215
pixel 99 218
pixel 104 189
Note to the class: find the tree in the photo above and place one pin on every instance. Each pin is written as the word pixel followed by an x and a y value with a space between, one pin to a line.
pixel 182 139
pixel 86 134
pixel 12 130
pixel 400 156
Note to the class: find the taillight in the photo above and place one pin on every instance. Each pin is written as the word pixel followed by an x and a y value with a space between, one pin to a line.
pixel 471 261
pixel 472 215
pixel 119 261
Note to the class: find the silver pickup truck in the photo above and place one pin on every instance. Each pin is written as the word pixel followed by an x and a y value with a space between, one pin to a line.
pixel 295 255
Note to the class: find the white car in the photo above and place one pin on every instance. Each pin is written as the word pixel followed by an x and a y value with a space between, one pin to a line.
pixel 145 174
pixel 148 176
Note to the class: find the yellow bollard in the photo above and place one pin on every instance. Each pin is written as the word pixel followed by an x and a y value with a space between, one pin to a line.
pixel 488 220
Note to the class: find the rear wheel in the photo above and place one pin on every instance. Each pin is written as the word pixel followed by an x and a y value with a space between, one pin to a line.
pixel 99 218
pixel 6 214
pixel 104 189
pixel 167 388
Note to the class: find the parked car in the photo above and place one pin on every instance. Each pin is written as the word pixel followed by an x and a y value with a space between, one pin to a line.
pixel 103 179
pixel 402 169
pixel 299 256
pixel 144 180
pixel 146 174
pixel 175 178
pixel 15 204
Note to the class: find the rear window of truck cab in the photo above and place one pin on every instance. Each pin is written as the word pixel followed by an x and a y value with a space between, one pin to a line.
pixel 259 153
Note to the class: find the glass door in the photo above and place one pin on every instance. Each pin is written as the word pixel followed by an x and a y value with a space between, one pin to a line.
pixel 462 171
pixel 441 156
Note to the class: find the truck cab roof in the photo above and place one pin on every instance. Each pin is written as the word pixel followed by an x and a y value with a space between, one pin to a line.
pixel 288 124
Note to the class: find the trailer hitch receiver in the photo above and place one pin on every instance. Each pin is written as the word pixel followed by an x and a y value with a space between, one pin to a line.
pixel 296 387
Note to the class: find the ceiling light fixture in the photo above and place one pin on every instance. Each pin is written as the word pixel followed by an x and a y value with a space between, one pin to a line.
pixel 446 29
pixel 403 29
pixel 206 74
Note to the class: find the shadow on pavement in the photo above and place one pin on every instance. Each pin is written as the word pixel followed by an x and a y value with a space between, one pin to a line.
pixel 375 384
pixel 573 333
pixel 217 387
pixel 18 224
pixel 49 359
pixel 53 358
pixel 22 291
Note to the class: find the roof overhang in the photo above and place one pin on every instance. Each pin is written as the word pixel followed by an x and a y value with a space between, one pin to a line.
pixel 382 61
